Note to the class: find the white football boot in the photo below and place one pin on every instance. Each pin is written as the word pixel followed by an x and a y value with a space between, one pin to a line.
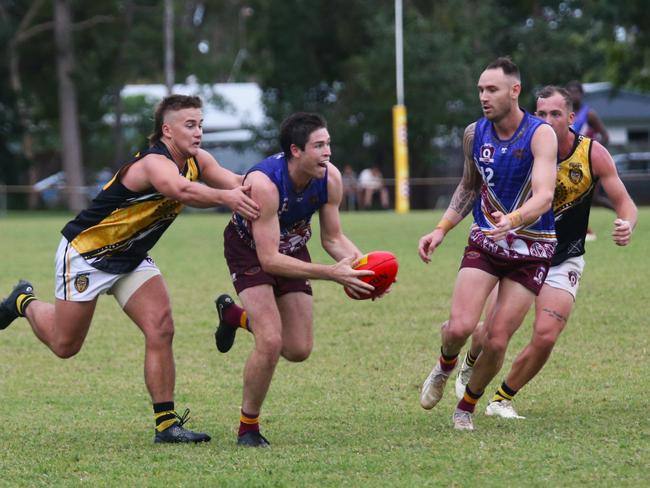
pixel 503 409
pixel 464 373
pixel 433 387
pixel 463 420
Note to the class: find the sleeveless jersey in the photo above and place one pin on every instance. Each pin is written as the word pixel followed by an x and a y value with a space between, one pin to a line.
pixel 115 233
pixel 573 193
pixel 294 210
pixel 506 168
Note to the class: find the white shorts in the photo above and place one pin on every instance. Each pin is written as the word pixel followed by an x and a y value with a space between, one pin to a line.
pixel 566 275
pixel 77 281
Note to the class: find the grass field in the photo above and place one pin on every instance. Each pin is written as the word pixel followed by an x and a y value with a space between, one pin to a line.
pixel 349 416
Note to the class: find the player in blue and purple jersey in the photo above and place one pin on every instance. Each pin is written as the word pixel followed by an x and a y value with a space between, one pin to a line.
pixel 582 163
pixel 508 180
pixel 270 264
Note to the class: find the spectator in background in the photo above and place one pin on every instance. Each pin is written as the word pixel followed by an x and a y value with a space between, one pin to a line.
pixel 587 122
pixel 371 182
pixel 350 188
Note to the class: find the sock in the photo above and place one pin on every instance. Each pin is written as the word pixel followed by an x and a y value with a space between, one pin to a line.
pixel 469 401
pixel 504 393
pixel 470 359
pixel 234 314
pixel 164 415
pixel 22 301
pixel 447 363
pixel 248 423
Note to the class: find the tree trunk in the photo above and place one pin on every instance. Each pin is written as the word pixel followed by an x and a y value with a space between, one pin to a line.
pixel 68 113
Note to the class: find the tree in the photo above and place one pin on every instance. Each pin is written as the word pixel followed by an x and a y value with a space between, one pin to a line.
pixel 71 148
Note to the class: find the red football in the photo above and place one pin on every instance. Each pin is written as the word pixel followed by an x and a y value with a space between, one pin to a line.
pixel 384 264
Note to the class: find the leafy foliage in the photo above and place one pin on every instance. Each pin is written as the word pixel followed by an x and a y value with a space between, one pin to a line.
pixel 332 56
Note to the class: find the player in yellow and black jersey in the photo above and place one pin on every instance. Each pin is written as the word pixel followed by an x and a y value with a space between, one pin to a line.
pixel 582 162
pixel 117 230
pixel 105 249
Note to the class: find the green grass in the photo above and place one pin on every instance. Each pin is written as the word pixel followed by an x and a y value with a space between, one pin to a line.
pixel 349 416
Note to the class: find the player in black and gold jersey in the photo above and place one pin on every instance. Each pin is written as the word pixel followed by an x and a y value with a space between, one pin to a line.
pixel 582 163
pixel 105 249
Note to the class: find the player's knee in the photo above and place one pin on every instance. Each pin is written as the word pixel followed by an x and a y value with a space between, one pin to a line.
pixel 545 342
pixel 67 348
pixel 159 327
pixel 495 345
pixel 298 353
pixel 270 345
pixel 457 330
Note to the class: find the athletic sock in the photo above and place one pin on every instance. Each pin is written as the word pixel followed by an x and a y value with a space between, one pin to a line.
pixel 469 400
pixel 22 301
pixel 447 363
pixel 504 393
pixel 470 359
pixel 164 415
pixel 248 423
pixel 236 316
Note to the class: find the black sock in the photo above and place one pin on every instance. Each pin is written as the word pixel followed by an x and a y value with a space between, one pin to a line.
pixel 164 415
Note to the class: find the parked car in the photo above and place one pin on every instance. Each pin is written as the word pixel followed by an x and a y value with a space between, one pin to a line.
pixel 634 170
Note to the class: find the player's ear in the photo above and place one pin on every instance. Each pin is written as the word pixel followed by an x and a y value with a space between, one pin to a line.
pixel 572 117
pixel 515 90
pixel 295 151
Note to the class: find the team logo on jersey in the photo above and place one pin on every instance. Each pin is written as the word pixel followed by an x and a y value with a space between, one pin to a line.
pixel 519 153
pixel 472 255
pixel 575 173
pixel 540 275
pixel 573 278
pixel 313 200
pixel 486 153
pixel 81 282
pixel 252 271
pixel 575 247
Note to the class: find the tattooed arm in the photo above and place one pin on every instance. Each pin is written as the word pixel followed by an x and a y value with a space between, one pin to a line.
pixel 462 200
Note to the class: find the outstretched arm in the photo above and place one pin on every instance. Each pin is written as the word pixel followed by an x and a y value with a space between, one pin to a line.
pixel 626 211
pixel 161 173
pixel 215 175
pixel 462 200
pixel 266 233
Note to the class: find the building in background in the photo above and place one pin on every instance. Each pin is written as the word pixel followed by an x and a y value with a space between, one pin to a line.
pixel 231 114
pixel 626 115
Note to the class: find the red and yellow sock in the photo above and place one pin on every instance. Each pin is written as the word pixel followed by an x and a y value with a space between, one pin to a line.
pixel 469 400
pixel 447 363
pixel 248 423
pixel 236 316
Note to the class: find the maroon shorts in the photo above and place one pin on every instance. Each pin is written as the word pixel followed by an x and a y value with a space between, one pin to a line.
pixel 246 271
pixel 529 272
